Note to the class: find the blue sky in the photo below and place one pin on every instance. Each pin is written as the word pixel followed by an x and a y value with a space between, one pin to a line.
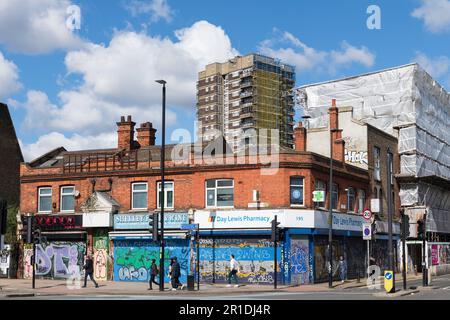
pixel 68 87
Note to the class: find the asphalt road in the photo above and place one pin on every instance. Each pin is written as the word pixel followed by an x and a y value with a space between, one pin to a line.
pixel 439 290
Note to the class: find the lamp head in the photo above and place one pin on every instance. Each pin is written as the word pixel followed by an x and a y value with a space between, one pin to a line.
pixel 161 81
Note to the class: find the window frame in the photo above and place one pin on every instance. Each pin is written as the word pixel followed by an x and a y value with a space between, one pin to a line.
pixel 47 196
pixel 215 188
pixel 377 163
pixel 61 195
pixel 138 191
pixel 351 193
pixel 158 190
pixel 359 193
pixel 334 198
pixel 295 185
pixel 318 188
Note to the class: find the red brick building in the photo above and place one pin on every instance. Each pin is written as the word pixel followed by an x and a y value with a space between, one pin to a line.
pixel 78 194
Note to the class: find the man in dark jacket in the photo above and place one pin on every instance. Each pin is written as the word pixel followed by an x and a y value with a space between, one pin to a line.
pixel 89 270
pixel 153 274
pixel 176 274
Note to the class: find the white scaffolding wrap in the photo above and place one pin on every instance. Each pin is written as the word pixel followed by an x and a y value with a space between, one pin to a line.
pixel 406 98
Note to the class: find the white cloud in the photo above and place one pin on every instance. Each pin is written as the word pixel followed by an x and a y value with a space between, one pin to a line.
pixel 157 9
pixel 435 14
pixel 119 79
pixel 34 27
pixel 9 77
pixel 306 58
pixel 53 140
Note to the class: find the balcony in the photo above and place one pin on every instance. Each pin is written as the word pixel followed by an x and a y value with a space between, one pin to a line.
pixel 246 84
pixel 245 94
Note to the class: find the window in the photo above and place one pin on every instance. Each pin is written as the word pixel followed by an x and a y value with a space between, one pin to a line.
pixel 45 200
pixel 391 168
pixel 350 199
pixel 139 195
pixel 334 196
pixel 321 186
pixel 68 198
pixel 219 193
pixel 376 164
pixel 296 189
pixel 168 195
pixel 361 200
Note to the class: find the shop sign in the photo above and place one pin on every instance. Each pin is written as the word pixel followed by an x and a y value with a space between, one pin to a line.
pixel 58 222
pixel 140 221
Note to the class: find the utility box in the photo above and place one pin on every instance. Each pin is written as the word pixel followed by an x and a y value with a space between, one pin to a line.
pixel 190 282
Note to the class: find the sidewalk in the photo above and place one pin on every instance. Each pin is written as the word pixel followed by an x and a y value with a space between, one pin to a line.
pixel 21 287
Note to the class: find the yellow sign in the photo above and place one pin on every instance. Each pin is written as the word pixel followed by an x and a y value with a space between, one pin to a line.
pixel 388 281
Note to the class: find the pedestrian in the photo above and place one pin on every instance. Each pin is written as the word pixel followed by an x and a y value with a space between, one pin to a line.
pixel 342 268
pixel 89 270
pixel 233 271
pixel 153 274
pixel 175 274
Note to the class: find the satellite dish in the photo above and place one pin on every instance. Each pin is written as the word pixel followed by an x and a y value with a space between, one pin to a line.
pixel 77 193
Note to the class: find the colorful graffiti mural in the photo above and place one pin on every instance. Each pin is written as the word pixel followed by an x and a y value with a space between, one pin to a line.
pixel 27 261
pixel 59 259
pixel 132 258
pixel 101 257
pixel 255 258
pixel 299 261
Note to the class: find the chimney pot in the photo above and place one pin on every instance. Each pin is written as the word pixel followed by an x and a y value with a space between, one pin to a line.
pixel 129 119
pixel 122 119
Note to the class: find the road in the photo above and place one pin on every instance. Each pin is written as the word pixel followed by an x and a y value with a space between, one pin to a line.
pixel 439 290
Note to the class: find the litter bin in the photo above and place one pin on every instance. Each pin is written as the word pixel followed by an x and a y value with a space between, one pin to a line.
pixel 190 282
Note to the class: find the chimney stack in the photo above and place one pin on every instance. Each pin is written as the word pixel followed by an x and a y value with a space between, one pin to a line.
pixel 146 134
pixel 300 137
pixel 336 133
pixel 125 132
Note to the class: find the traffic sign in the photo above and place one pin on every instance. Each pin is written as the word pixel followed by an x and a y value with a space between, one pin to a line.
pixel 190 226
pixel 319 196
pixel 388 280
pixel 367 214
pixel 367 231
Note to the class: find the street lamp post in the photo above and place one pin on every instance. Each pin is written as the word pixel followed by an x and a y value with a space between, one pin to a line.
pixel 330 214
pixel 161 199
pixel 390 216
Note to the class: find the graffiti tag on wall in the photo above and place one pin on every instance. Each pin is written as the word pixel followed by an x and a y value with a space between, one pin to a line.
pixel 60 259
pixel 100 258
pixel 132 258
pixel 299 261
pixel 27 264
pixel 255 258
pixel 359 157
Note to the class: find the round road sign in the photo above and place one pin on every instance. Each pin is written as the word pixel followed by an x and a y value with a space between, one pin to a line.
pixel 367 214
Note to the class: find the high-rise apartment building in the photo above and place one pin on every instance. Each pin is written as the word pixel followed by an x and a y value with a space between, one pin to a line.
pixel 245 93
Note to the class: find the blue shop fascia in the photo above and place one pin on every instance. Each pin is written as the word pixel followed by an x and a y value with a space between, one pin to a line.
pixel 302 253
pixel 134 248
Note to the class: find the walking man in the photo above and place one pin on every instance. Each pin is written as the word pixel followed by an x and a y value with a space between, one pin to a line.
pixel 153 274
pixel 233 271
pixel 342 268
pixel 89 270
pixel 176 274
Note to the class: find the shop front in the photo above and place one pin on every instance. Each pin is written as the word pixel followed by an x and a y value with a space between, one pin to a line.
pixel 302 252
pixel 133 247
pixel 62 255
